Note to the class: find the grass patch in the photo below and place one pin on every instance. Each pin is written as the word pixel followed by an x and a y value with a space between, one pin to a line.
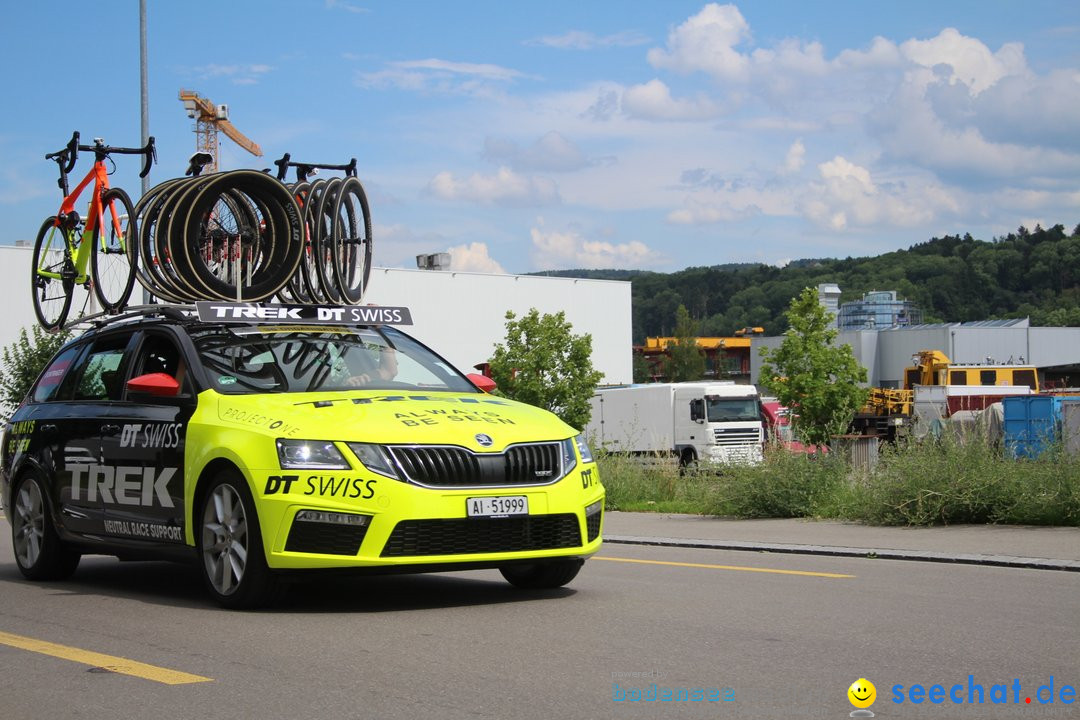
pixel 934 482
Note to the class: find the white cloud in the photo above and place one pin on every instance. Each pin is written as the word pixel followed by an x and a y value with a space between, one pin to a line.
pixel 569 249
pixel 969 60
pixel 473 257
pixel 551 152
pixel 505 188
pixel 795 158
pixel 706 42
pixel 653 101
pixel 584 40
pixel 237 74
pixel 433 74
pixel 346 6
pixel 910 129
pixel 847 196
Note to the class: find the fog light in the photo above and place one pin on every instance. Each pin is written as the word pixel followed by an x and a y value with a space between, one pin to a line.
pixel 594 508
pixel 332 518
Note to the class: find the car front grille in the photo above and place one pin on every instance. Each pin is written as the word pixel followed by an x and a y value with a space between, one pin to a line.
pixel 447 466
pixel 325 538
pixel 465 536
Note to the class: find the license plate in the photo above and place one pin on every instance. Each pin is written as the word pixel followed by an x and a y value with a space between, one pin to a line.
pixel 497 506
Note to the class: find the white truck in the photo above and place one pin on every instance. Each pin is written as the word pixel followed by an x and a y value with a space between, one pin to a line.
pixel 717 422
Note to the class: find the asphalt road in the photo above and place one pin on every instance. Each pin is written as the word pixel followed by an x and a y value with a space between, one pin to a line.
pixel 780 635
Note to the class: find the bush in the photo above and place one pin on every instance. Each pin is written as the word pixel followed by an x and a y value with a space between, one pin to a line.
pixel 934 482
pixel 785 485
pixel 946 481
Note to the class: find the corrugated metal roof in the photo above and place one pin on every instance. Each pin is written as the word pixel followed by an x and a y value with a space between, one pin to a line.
pixel 1010 322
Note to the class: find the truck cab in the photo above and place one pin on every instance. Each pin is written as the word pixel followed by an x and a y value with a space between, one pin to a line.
pixel 724 423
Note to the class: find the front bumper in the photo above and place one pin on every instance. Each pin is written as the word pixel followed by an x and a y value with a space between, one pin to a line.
pixel 409 526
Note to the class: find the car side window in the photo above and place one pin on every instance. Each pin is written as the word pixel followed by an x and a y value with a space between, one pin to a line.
pixel 99 373
pixel 50 380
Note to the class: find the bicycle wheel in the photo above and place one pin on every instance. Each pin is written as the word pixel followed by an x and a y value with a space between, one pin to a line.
pixel 116 251
pixel 296 290
pixel 309 269
pixel 263 258
pixel 52 295
pixel 322 245
pixel 173 216
pixel 151 268
pixel 351 241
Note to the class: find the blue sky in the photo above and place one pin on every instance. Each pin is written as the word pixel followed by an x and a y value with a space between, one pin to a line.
pixel 536 136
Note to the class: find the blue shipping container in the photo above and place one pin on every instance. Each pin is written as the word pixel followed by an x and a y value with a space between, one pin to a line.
pixel 1032 423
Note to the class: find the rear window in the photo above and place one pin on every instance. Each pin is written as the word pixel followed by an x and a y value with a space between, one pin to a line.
pixel 50 380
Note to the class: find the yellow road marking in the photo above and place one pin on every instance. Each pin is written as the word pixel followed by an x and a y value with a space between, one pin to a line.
pixel 724 567
pixel 108 662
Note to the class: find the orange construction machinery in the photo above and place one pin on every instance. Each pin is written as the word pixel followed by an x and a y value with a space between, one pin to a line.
pixel 210 119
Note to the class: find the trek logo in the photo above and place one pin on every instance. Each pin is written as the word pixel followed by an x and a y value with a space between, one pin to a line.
pixel 121 485
pixel 313 314
pixel 323 485
pixel 154 435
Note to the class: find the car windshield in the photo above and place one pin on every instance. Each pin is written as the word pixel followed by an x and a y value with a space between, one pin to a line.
pixel 721 409
pixel 271 359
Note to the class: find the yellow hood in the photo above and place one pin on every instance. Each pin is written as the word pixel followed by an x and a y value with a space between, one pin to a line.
pixel 389 417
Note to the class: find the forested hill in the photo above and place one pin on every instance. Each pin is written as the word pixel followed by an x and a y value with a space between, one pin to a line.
pixel 1032 274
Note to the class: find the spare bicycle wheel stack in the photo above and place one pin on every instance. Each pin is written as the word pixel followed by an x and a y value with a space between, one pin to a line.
pixel 244 235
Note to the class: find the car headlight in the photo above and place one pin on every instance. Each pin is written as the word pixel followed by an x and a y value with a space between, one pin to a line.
pixel 321 454
pixel 569 457
pixel 375 458
pixel 583 449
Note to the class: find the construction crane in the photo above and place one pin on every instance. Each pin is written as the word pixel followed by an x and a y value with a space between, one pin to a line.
pixel 209 120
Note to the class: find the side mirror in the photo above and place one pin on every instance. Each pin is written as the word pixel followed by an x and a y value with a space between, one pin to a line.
pixel 482 382
pixel 156 384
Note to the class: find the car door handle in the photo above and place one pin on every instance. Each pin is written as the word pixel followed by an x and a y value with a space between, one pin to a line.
pixel 110 429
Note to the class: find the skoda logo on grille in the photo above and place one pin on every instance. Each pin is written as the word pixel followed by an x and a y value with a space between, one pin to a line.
pixel 484 440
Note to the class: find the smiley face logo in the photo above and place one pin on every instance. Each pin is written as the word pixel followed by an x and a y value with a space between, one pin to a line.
pixel 862 693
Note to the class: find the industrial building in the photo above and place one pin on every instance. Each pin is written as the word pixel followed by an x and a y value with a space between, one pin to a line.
pixel 885 352
pixel 877 310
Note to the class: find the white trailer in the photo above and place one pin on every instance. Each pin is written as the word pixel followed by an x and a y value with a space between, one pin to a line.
pixel 710 422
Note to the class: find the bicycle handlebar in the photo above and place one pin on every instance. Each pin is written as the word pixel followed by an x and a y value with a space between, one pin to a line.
pixel 305 169
pixel 101 151
pixel 66 158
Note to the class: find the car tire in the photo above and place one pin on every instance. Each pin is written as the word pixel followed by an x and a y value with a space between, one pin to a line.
pixel 544 575
pixel 39 552
pixel 229 544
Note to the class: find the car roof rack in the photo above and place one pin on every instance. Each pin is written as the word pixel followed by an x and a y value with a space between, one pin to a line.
pixel 179 313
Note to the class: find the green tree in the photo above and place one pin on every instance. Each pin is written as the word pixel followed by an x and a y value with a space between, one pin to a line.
pixel 810 375
pixel 22 361
pixel 642 369
pixel 685 361
pixel 542 363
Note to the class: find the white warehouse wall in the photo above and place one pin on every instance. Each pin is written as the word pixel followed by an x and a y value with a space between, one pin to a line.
pixel 460 315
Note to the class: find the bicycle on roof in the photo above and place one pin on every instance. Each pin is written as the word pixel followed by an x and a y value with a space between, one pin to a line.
pixel 104 240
